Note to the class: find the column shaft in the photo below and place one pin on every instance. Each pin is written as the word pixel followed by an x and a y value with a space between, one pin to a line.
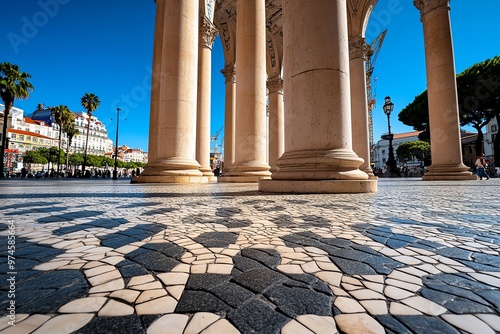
pixel 155 81
pixel 176 126
pixel 229 73
pixel 359 103
pixel 250 153
pixel 207 36
pixel 276 122
pixel 318 139
pixel 442 93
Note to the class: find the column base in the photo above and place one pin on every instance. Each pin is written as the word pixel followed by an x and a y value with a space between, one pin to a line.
pixel 318 186
pixel 172 179
pixel 448 172
pixel 242 178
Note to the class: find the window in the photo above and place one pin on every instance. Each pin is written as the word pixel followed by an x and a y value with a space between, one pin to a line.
pixel 14 136
pixel 494 128
pixel 28 138
pixel 383 152
pixel 21 137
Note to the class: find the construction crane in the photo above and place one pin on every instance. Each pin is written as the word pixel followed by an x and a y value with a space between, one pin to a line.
pixel 215 138
pixel 371 56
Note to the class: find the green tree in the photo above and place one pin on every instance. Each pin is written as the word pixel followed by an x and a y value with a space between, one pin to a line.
pixel 76 159
pixel 417 148
pixel 478 90
pixel 90 102
pixel 14 84
pixel 34 157
pixel 479 98
pixel 71 131
pixel 62 116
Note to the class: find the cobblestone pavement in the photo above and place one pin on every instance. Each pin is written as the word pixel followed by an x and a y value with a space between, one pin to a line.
pixel 103 256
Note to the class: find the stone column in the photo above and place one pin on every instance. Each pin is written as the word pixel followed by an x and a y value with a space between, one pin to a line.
pixel 276 121
pixel 229 73
pixel 318 154
pixel 250 160
pixel 359 103
pixel 207 37
pixel 442 93
pixel 155 81
pixel 174 161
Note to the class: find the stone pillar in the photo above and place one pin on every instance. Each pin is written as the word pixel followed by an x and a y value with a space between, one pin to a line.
pixel 229 73
pixel 207 37
pixel 174 159
pixel 155 81
pixel 276 121
pixel 442 93
pixel 359 103
pixel 318 154
pixel 250 160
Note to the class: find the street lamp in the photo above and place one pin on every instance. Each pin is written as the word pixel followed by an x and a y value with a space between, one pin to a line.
pixel 388 108
pixel 115 172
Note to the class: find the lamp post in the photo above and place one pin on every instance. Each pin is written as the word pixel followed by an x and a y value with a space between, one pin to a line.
pixel 115 172
pixel 391 162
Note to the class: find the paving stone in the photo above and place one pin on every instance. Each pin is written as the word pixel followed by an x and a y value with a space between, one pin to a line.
pixel 468 323
pixel 66 323
pixel 174 322
pixel 492 320
pixel 426 325
pixel 200 321
pixel 167 228
pixel 257 317
pixel 458 301
pixel 391 323
pixel 358 323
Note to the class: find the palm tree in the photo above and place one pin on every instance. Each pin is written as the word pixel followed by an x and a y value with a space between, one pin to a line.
pixel 62 116
pixel 90 102
pixel 71 132
pixel 13 85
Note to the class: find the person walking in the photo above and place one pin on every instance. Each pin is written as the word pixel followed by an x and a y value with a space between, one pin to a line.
pixel 480 165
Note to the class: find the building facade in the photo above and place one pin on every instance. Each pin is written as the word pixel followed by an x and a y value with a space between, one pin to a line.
pixel 99 143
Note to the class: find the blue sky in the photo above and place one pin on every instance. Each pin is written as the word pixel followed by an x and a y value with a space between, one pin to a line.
pixel 71 47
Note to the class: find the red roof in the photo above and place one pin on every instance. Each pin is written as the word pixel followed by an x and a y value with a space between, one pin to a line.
pixel 407 134
pixel 29 133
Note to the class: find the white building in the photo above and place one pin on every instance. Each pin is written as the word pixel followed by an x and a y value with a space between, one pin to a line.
pixel 99 143
pixel 381 149
pixel 491 131
pixel 133 154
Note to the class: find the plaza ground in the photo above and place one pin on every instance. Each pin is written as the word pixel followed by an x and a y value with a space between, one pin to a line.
pixel 104 256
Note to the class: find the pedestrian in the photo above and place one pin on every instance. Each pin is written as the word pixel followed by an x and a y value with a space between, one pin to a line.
pixel 480 165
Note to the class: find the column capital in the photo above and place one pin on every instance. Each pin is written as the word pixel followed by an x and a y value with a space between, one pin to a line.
pixel 229 73
pixel 208 32
pixel 275 85
pixel 358 48
pixel 427 6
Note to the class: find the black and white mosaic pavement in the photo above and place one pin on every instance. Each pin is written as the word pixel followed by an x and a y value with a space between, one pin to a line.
pixel 110 257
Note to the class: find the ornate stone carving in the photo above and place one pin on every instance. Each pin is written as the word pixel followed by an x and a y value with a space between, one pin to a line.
pixel 426 6
pixel 358 48
pixel 229 73
pixel 207 32
pixel 275 85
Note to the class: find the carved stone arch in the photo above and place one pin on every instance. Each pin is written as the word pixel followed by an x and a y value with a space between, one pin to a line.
pixel 225 22
pixel 358 15
pixel 273 56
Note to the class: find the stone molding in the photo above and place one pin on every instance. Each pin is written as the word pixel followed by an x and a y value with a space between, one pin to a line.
pixel 358 48
pixel 427 6
pixel 275 85
pixel 208 33
pixel 229 73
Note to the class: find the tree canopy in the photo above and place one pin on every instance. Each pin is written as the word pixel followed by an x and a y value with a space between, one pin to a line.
pixel 14 84
pixel 478 90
